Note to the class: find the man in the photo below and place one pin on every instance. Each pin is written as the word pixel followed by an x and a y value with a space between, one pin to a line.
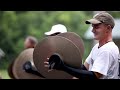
pixel 102 62
pixel 30 42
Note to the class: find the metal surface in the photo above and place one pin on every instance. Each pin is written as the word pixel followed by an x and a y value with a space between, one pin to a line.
pixel 18 71
pixel 76 39
pixel 56 44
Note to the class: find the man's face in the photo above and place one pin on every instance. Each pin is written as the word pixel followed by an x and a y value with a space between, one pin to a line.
pixel 99 31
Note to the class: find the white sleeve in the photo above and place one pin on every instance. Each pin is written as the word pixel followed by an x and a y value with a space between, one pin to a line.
pixel 101 64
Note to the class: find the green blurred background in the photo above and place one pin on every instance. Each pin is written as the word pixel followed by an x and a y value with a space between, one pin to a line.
pixel 15 26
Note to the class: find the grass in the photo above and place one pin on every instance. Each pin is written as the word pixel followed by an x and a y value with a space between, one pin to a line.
pixel 4 74
pixel 3 69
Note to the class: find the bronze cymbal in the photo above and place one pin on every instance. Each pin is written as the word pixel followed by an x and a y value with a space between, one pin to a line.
pixel 76 39
pixel 18 71
pixel 56 44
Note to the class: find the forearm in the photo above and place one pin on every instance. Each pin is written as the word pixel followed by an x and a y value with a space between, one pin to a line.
pixel 31 69
pixel 83 67
pixel 79 73
pixel 55 62
pixel 34 72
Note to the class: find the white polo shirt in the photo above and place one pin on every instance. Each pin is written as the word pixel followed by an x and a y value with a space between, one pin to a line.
pixel 104 60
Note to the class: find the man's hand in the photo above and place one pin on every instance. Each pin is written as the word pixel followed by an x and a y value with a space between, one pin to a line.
pixel 55 62
pixel 27 66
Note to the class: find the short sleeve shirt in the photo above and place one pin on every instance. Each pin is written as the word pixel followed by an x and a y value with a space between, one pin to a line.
pixel 104 60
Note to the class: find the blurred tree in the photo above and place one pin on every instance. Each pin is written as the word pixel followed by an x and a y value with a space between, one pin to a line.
pixel 16 25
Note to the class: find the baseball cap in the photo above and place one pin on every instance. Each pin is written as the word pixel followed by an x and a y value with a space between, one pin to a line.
pixel 57 28
pixel 102 17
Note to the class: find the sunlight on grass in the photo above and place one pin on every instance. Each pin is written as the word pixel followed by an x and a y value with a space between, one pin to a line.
pixel 4 74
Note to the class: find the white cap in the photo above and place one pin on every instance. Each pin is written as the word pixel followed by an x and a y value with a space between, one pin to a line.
pixel 57 28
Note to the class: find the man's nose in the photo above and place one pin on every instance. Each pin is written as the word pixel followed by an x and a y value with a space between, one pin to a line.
pixel 93 30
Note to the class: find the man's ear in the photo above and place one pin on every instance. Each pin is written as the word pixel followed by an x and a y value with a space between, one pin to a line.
pixel 108 28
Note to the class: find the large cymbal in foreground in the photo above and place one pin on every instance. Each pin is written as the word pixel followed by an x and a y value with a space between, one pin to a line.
pixel 76 39
pixel 56 44
pixel 17 68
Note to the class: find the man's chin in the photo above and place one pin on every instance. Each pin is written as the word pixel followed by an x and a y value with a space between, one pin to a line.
pixel 95 38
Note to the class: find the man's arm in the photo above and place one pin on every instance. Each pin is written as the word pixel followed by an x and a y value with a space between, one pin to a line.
pixel 98 75
pixel 86 65
pixel 56 62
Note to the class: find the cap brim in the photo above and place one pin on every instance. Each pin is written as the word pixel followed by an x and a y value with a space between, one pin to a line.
pixel 92 21
pixel 49 33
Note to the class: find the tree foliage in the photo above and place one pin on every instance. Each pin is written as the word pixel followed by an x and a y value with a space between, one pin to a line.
pixel 16 25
